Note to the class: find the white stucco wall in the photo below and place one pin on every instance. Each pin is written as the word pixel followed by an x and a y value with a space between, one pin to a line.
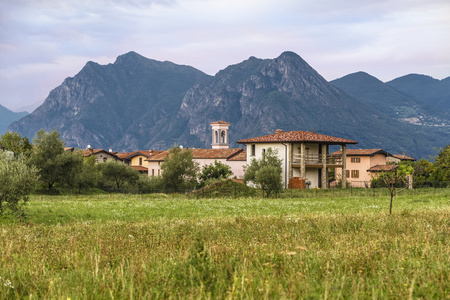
pixel 312 174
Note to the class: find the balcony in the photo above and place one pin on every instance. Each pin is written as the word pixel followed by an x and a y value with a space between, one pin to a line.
pixel 315 160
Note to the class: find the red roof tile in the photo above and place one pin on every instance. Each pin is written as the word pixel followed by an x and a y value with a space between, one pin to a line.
pixel 241 156
pixel 361 152
pixel 403 157
pixel 220 122
pixel 380 168
pixel 204 153
pixel 139 168
pixel 297 136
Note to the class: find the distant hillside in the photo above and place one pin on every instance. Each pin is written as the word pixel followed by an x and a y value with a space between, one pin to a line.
pixel 433 93
pixel 378 94
pixel 139 103
pixel 125 106
pixel 416 99
pixel 7 117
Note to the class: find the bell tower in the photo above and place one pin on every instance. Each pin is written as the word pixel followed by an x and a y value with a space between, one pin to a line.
pixel 220 135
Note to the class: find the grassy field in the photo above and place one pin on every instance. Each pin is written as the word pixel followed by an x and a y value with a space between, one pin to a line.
pixel 310 245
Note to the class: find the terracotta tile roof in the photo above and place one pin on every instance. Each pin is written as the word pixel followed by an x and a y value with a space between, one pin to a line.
pixel 203 154
pixel 361 152
pixel 404 157
pixel 89 152
pixel 297 136
pixel 139 168
pixel 220 122
pixel 379 168
pixel 241 156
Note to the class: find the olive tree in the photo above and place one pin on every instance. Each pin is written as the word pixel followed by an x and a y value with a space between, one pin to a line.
pixel 394 178
pixel 215 171
pixel 179 170
pixel 12 141
pixel 442 165
pixel 54 165
pixel 265 172
pixel 17 181
pixel 118 174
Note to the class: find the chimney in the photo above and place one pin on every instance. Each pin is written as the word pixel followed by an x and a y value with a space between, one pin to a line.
pixel 312 131
pixel 279 130
pixel 403 154
pixel 91 150
pixel 150 151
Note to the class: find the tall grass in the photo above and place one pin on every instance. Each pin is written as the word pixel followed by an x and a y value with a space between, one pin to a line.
pixel 152 247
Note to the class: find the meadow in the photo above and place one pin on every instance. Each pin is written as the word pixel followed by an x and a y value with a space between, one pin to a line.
pixel 301 245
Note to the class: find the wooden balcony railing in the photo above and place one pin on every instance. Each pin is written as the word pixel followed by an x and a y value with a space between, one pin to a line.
pixel 316 159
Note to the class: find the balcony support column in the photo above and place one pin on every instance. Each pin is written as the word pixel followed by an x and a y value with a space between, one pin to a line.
pixel 344 166
pixel 291 159
pixel 302 161
pixel 324 167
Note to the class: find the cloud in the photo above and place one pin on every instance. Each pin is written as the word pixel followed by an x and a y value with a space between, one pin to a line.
pixel 43 42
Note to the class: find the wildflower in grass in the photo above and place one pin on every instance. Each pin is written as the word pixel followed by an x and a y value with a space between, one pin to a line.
pixel 8 284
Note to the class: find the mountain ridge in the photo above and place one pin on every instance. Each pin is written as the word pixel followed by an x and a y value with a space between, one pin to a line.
pixel 139 103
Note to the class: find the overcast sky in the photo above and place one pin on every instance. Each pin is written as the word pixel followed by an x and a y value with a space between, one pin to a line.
pixel 43 42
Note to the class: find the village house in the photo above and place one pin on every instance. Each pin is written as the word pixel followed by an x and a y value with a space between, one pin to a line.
pixel 397 158
pixel 235 158
pixel 100 155
pixel 138 160
pixel 365 164
pixel 305 156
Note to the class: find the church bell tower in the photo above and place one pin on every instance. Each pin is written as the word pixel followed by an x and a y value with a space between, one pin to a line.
pixel 220 135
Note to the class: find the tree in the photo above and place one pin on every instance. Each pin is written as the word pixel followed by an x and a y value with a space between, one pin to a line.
pixel 88 175
pixel 12 141
pixel 442 165
pixel 394 180
pixel 118 174
pixel 423 169
pixel 54 165
pixel 17 181
pixel 214 171
pixel 179 170
pixel 266 172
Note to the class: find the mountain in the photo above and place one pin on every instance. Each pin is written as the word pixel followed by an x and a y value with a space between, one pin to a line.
pixel 125 105
pixel 378 94
pixel 417 99
pixel 258 96
pixel 139 103
pixel 7 117
pixel 433 93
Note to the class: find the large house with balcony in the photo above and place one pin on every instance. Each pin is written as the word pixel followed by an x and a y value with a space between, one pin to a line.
pixel 305 155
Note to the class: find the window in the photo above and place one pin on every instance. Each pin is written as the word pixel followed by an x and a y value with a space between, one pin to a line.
pixel 253 150
pixel 355 173
pixel 140 161
pixel 347 173
pixel 159 172
pixel 355 159
pixel 153 172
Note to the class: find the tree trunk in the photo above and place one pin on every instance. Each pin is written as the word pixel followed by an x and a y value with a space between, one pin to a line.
pixel 390 205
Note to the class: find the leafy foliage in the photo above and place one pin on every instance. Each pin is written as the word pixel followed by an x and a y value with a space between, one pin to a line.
pixel 12 141
pixel 117 174
pixel 265 172
pixel 17 181
pixel 53 164
pixel 394 180
pixel 179 170
pixel 217 170
pixel 442 165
